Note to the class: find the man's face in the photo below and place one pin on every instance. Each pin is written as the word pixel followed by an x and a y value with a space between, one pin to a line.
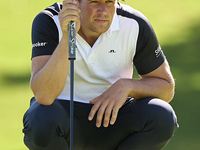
pixel 97 15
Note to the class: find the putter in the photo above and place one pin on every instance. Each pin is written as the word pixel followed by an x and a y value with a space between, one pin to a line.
pixel 72 57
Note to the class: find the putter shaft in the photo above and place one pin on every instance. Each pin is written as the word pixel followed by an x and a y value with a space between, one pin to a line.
pixel 72 57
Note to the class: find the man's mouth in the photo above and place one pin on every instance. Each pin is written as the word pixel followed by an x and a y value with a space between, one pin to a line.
pixel 100 20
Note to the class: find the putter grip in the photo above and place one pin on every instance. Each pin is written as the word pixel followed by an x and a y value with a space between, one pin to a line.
pixel 72 40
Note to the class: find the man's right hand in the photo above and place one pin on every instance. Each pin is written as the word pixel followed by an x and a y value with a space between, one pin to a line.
pixel 69 12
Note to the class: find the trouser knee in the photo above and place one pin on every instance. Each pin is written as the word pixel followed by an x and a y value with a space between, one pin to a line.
pixel 151 121
pixel 162 117
pixel 42 123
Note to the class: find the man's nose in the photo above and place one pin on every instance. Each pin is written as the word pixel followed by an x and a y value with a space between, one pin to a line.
pixel 102 8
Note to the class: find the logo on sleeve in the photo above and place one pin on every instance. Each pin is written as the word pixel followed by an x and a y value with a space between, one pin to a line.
pixel 38 44
pixel 158 51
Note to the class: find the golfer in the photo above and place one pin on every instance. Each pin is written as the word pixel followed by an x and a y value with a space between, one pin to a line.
pixel 112 111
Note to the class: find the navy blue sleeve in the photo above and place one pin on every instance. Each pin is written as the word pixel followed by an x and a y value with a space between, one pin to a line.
pixel 149 55
pixel 45 36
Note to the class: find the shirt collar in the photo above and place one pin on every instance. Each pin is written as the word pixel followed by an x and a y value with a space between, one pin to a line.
pixel 114 25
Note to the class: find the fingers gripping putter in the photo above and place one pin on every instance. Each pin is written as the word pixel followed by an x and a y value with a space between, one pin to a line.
pixel 72 57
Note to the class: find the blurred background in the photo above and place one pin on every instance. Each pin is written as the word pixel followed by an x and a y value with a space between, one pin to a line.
pixel 177 25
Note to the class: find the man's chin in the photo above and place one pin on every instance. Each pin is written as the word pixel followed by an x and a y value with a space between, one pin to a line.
pixel 101 29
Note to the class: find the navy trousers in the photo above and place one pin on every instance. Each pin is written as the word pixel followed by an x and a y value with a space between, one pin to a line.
pixel 145 124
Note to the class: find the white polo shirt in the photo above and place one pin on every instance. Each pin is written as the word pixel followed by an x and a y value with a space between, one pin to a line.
pixel 129 39
pixel 98 67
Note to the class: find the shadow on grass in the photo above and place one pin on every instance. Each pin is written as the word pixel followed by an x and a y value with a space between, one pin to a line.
pixel 185 65
pixel 15 79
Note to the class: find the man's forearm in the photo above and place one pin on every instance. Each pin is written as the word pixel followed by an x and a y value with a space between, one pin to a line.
pixel 150 87
pixel 49 82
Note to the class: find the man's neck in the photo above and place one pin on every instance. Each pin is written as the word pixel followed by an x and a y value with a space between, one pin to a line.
pixel 89 38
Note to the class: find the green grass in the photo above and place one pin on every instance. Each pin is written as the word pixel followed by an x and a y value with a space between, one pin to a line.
pixel 177 26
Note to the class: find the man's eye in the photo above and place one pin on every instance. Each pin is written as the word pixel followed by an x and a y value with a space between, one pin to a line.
pixel 93 1
pixel 110 1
